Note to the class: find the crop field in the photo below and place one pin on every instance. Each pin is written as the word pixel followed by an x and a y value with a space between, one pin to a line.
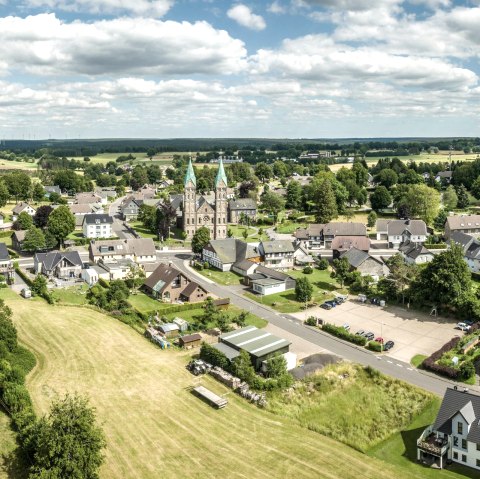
pixel 153 424
pixel 17 165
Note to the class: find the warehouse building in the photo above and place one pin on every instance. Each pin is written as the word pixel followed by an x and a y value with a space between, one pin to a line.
pixel 258 343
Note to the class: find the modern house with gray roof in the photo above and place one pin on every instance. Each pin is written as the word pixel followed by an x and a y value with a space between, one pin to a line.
pixel 317 236
pixel 265 281
pixel 469 224
pixel 59 264
pixel 397 232
pixel 471 249
pixel 415 253
pixel 365 264
pixel 455 434
pixel 224 253
pixel 242 206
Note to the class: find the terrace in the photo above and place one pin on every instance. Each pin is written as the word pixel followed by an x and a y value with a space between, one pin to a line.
pixel 431 444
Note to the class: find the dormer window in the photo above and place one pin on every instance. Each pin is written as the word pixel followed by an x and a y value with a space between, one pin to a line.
pixel 460 428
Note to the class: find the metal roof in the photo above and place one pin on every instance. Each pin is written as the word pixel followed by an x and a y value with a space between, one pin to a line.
pixel 221 176
pixel 190 175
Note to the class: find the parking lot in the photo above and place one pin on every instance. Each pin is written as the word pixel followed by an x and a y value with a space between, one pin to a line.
pixel 413 332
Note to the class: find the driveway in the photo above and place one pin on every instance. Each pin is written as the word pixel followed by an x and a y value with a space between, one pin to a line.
pixel 413 332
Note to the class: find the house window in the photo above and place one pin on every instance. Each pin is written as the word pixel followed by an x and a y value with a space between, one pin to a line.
pixel 464 444
pixel 455 455
pixel 478 447
pixel 478 462
pixel 455 441
pixel 460 428
pixel 464 458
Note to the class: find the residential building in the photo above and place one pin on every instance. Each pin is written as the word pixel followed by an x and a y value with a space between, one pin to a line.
pixel 277 254
pixel 471 249
pixel 109 191
pixel 6 267
pixel 243 207
pixel 52 189
pixel 116 268
pixel 397 232
pixel 89 198
pixel 365 264
pixel 415 253
pixel 22 207
pixel 139 250
pixel 259 344
pixel 318 236
pixel 224 253
pixel 301 256
pixel 469 224
pixel 58 264
pixel 129 208
pixel 455 434
pixel 265 281
pixel 444 176
pixel 170 285
pixel 310 237
pixel 18 237
pixel 340 244
pixel 97 226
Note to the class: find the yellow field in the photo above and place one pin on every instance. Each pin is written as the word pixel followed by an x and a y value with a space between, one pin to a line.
pixel 17 165
pixel 154 426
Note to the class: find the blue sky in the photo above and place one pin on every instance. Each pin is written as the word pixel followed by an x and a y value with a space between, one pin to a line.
pixel 211 68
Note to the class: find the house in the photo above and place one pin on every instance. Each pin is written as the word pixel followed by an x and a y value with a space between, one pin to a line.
pixel 97 226
pixel 58 264
pixel 259 344
pixel 92 273
pixel 340 244
pixel 224 253
pixel 397 232
pixel 265 281
pixel 277 254
pixel 415 253
pixel 244 267
pixel 6 267
pixel 18 237
pixel 52 189
pixel 366 264
pixel 310 237
pixel 455 434
pixel 89 198
pixel 318 236
pixel 140 250
pixel 243 207
pixel 444 176
pixel 471 249
pixel 106 191
pixel 301 256
pixel 168 284
pixel 22 207
pixel 116 268
pixel 130 208
pixel 190 341
pixel 82 209
pixel 469 224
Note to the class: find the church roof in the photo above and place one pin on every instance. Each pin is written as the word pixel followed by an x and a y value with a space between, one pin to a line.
pixel 190 175
pixel 221 176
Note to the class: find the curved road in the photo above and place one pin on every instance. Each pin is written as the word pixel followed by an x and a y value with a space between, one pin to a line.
pixel 383 363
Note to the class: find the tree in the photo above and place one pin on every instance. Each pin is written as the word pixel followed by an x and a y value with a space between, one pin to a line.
pixel 462 195
pixel 246 188
pixel 241 319
pixel 380 198
pixel 387 177
pixel 135 277
pixel 272 203
pixel 401 274
pixel 8 333
pixel 139 177
pixel 423 202
pixel 68 442
pixel 39 285
pixel 341 268
pixel 325 202
pixel 19 185
pixel 263 172
pixel 294 195
pixel 38 192
pixel 210 312
pixel 41 216
pixel 475 189
pixel 200 239
pixel 450 198
pixel 371 219
pixel 303 290
pixel 276 366
pixel 24 222
pixel 34 240
pixel 4 194
pixel 439 221
pixel 245 234
pixel 165 215
pixel 61 223
pixel 242 367
pixel 148 216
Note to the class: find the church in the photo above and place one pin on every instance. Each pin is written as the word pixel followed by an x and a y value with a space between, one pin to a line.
pixel 197 211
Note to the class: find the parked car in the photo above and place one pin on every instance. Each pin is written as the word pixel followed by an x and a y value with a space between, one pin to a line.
pixel 369 336
pixel 375 301
pixel 326 306
pixel 331 302
pixel 468 322
pixel 379 340
pixel 338 300
pixel 463 327
pixel 362 298
pixel 346 326
pixel 388 345
pixel 361 332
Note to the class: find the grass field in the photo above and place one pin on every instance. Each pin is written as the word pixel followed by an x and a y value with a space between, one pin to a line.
pixel 104 158
pixel 220 277
pixel 74 295
pixel 17 165
pixel 142 231
pixel 9 466
pixel 153 423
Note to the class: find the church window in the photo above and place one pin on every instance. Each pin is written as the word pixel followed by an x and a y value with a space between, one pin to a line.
pixel 200 220
pixel 188 221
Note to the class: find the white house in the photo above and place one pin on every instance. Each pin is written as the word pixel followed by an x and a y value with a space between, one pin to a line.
pixel 471 249
pixel 455 435
pixel 140 250
pixel 415 253
pixel 97 226
pixel 21 208
pixel 265 281
pixel 277 254
pixel 397 232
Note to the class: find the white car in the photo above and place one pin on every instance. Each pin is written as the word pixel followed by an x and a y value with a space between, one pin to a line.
pixel 346 326
pixel 463 327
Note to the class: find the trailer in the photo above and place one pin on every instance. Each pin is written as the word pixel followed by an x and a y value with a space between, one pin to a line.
pixel 209 397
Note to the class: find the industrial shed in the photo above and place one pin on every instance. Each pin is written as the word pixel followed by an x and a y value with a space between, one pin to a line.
pixel 258 343
pixel 190 341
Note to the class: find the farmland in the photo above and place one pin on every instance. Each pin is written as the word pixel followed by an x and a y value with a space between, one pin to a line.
pixel 151 420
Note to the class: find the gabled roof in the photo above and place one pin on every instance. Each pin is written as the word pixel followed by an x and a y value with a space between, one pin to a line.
pixel 191 287
pixel 277 246
pixel 19 235
pixel 190 175
pixel 347 242
pixel 4 256
pixel 51 259
pixel 93 219
pixel 53 189
pixel 19 207
pixel 162 277
pixel 244 265
pixel 414 250
pixel 355 257
pixel 338 228
pixel 231 250
pixel 137 247
pixel 398 227
pixel 82 208
pixel 460 222
pixel 242 204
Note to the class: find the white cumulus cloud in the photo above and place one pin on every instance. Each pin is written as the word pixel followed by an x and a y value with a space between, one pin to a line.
pixel 245 17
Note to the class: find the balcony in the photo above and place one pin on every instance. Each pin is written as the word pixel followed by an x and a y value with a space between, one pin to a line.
pixel 429 442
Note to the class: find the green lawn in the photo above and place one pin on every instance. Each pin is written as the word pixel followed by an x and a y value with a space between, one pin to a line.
pixel 74 295
pixel 417 360
pixel 400 449
pixel 104 158
pixel 145 304
pixel 142 231
pixel 11 466
pixel 221 277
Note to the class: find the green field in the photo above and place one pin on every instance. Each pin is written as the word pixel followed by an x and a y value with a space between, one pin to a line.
pixel 142 231
pixel 152 422
pixel 104 158
pixel 10 465
pixel 220 277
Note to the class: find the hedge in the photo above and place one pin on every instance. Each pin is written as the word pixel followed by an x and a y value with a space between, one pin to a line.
pixel 435 246
pixel 375 346
pixel 178 308
pixel 342 333
pixel 6 234
pixel 22 275
pixel 430 363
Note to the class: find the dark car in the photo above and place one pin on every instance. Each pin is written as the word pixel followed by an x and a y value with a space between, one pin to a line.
pixel 388 345
pixel 339 300
pixel 369 336
pixel 326 306
pixel 331 302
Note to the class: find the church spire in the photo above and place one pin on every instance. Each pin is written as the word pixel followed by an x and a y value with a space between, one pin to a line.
pixel 221 176
pixel 190 175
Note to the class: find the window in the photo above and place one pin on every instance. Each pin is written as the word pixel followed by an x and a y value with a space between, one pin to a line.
pixel 464 458
pixel 478 462
pixel 478 447
pixel 455 455
pixel 460 428
pixel 464 444
pixel 455 441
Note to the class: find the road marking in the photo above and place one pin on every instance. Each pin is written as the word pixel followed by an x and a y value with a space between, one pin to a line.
pixel 409 369
pixel 378 357
pixel 399 365
pixel 388 361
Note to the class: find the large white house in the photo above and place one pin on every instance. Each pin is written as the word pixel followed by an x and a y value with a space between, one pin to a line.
pixel 455 435
pixel 139 250
pixel 397 232
pixel 471 249
pixel 97 226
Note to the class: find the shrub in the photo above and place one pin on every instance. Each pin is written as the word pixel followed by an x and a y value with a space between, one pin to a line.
pixel 307 270
pixel 430 363
pixel 323 264
pixel 342 333
pixel 214 356
pixel 311 321
pixel 466 370
pixel 374 346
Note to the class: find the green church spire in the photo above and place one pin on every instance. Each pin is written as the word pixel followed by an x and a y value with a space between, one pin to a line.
pixel 221 176
pixel 190 175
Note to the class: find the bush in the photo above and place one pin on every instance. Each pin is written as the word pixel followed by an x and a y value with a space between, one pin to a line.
pixel 342 333
pixel 307 270
pixel 214 356
pixel 466 370
pixel 311 321
pixel 323 264
pixel 375 346
pixel 430 363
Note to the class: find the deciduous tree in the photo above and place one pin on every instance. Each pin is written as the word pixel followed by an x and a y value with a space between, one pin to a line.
pixel 61 223
pixel 200 239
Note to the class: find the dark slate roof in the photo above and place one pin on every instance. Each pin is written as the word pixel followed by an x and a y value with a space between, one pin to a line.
pixel 458 401
pixel 345 229
pixel 356 257
pixel 164 274
pixel 414 250
pixel 242 204
pixel 93 219
pixel 278 246
pixel 191 287
pixel 4 256
pixel 461 238
pixel 52 258
pixel 176 201
pixel 470 245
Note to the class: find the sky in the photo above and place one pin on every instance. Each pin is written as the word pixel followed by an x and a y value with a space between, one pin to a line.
pixel 215 68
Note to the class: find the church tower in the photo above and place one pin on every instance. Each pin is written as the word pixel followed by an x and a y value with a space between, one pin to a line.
pixel 221 224
pixel 189 201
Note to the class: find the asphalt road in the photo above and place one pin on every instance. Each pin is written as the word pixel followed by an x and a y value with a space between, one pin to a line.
pixel 118 227
pixel 351 352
